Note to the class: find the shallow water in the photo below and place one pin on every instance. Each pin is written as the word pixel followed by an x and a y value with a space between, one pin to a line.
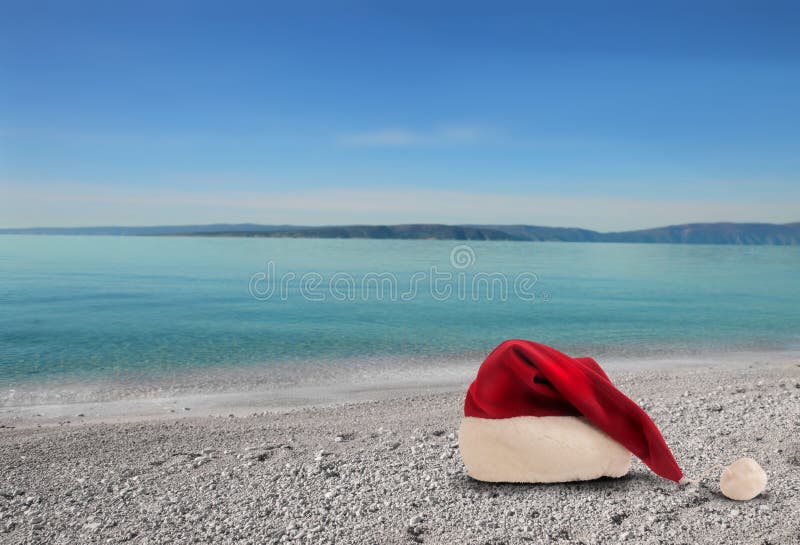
pixel 139 309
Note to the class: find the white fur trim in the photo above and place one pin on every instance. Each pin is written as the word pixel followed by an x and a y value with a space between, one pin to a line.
pixel 539 449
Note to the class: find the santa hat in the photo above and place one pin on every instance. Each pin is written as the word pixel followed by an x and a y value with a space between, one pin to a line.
pixel 534 414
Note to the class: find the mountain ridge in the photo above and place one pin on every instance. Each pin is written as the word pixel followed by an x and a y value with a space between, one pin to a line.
pixel 787 234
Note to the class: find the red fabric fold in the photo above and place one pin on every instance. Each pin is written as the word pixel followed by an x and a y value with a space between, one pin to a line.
pixel 524 378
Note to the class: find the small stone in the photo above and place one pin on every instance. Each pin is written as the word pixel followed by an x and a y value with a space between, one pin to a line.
pixel 617 518
pixel 744 479
pixel 320 455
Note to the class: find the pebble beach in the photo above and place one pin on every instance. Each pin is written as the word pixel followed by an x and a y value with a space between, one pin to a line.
pixel 389 471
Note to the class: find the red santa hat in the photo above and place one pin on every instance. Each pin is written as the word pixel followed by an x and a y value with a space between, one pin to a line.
pixel 534 414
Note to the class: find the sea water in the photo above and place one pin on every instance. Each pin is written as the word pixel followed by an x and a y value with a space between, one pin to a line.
pixel 79 309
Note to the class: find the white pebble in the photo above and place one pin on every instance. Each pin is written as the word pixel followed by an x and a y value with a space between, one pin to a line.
pixel 743 480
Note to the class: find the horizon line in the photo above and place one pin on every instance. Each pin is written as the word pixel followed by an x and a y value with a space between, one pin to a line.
pixel 405 224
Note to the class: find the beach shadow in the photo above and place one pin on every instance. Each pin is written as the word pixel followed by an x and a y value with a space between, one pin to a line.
pixel 764 497
pixel 464 482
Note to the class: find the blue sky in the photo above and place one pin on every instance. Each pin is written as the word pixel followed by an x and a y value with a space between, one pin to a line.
pixel 607 116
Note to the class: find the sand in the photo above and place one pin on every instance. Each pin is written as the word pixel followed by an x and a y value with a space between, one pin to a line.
pixel 389 471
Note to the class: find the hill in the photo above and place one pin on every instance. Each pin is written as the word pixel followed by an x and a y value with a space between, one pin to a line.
pixel 414 231
pixel 714 233
pixel 787 234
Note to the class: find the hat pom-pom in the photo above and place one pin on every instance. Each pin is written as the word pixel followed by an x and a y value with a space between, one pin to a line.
pixel 743 480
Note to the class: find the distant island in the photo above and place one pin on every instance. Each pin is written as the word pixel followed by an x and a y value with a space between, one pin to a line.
pixel 787 234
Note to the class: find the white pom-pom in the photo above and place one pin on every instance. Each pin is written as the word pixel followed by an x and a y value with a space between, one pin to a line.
pixel 743 480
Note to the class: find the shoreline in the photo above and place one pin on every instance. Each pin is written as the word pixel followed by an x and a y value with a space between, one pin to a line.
pixel 389 471
pixel 244 391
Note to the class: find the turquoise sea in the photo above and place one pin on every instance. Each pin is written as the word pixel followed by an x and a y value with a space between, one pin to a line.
pixel 134 309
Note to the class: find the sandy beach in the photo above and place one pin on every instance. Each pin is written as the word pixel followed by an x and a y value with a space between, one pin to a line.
pixel 389 471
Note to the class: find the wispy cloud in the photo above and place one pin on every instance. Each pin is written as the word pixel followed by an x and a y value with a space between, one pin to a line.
pixel 401 137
